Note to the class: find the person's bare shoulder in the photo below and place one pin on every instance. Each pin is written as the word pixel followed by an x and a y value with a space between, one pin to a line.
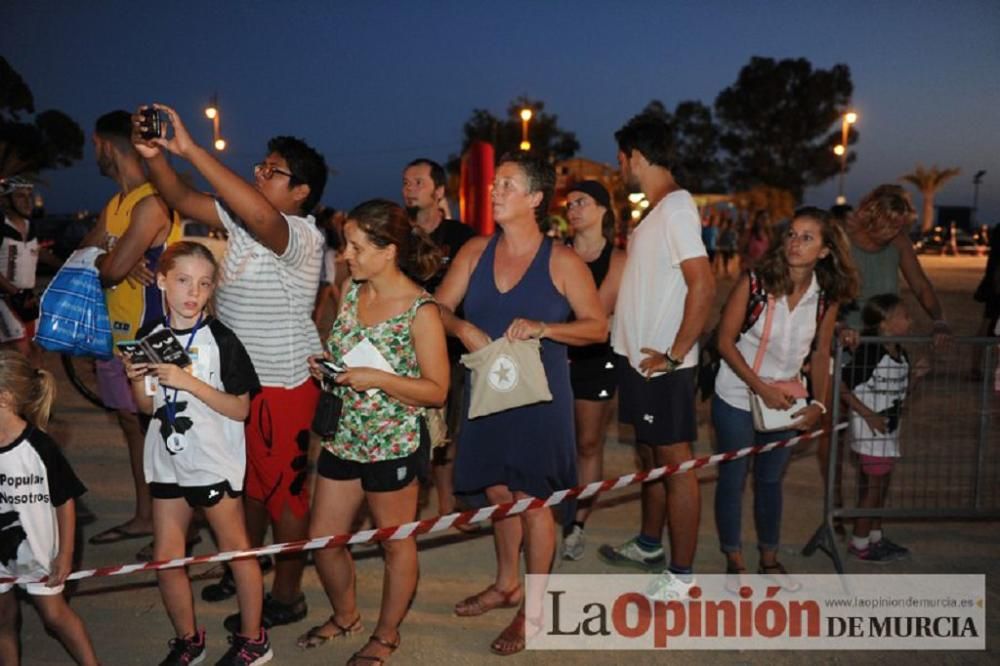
pixel 470 252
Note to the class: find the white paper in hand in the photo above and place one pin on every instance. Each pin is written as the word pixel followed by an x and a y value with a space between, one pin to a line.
pixel 366 355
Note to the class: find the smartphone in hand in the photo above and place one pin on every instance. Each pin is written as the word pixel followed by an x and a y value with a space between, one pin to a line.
pixel 330 369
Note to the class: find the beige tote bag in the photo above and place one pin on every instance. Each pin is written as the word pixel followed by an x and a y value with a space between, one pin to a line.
pixel 506 374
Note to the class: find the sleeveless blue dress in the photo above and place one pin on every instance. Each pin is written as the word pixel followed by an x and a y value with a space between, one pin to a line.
pixel 530 449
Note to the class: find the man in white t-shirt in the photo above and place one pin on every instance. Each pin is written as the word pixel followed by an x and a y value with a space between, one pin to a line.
pixel 666 295
pixel 270 276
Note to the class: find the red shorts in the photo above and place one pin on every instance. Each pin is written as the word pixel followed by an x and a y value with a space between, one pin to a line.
pixel 278 447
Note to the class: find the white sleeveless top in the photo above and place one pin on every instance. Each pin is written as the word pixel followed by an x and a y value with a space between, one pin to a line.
pixel 792 333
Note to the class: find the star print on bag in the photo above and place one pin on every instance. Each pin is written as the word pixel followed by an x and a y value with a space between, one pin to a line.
pixel 506 375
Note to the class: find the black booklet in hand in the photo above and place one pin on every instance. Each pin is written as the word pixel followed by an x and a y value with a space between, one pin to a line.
pixel 160 346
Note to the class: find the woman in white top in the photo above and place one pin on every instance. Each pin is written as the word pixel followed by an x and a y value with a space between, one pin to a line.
pixel 804 279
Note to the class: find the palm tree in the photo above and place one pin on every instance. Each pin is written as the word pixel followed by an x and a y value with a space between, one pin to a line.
pixel 929 181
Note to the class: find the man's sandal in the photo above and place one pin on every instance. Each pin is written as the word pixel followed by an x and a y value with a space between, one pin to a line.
pixel 477 604
pixel 357 658
pixel 314 638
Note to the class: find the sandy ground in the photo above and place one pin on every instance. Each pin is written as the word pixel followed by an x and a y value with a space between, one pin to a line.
pixel 129 626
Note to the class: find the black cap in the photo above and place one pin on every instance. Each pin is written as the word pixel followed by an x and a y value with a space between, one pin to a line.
pixel 595 190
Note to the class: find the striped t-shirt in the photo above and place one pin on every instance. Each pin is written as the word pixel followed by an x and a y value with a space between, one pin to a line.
pixel 267 299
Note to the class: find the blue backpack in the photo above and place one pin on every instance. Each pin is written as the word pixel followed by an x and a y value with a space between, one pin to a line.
pixel 74 316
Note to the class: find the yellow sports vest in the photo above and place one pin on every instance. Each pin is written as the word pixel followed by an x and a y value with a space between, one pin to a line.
pixel 131 307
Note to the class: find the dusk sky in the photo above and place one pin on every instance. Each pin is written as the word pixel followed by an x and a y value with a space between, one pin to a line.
pixel 375 84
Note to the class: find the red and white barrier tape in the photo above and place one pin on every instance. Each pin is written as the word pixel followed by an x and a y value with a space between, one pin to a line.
pixel 439 523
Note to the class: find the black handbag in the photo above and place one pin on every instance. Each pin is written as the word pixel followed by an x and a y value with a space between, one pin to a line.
pixel 327 414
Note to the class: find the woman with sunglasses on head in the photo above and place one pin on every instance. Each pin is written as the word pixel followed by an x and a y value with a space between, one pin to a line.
pixel 779 315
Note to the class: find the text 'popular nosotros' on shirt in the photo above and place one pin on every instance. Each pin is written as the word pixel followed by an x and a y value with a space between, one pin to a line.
pixel 34 479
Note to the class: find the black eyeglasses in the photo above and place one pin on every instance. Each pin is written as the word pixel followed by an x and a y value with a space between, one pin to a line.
pixel 267 171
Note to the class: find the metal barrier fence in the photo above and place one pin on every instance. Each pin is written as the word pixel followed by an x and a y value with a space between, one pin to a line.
pixel 941 439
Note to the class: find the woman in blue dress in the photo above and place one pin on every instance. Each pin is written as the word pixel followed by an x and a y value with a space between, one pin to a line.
pixel 520 284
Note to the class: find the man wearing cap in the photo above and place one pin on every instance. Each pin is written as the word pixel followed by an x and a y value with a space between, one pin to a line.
pixel 592 373
pixel 19 257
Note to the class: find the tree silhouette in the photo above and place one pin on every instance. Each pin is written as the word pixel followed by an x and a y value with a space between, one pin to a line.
pixel 548 140
pixel 929 181
pixel 780 121
pixel 48 141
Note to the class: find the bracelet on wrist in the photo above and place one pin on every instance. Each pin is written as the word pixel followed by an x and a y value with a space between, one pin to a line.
pixel 819 404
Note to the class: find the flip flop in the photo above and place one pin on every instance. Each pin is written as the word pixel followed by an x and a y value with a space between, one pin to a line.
pixel 116 534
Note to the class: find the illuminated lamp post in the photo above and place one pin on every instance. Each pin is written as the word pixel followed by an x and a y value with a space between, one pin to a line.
pixel 213 114
pixel 840 150
pixel 525 118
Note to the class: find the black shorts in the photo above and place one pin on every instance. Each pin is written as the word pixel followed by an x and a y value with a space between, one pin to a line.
pixel 662 410
pixel 383 476
pixel 594 378
pixel 196 496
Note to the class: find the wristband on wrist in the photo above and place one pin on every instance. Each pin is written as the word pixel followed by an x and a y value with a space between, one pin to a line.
pixel 819 404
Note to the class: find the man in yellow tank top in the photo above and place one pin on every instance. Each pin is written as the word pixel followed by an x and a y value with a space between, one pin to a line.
pixel 134 226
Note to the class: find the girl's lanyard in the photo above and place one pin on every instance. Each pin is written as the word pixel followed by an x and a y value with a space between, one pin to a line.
pixel 175 442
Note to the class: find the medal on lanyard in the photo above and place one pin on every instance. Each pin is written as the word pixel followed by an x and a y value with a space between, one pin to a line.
pixel 176 442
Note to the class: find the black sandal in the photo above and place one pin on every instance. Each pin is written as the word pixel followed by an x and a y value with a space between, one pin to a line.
pixel 313 638
pixel 777 573
pixel 358 658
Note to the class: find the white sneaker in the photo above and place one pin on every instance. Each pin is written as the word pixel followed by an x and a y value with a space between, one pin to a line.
pixel 668 587
pixel 573 544
pixel 630 554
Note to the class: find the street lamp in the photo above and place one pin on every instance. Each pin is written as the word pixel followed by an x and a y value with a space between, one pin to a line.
pixel 840 151
pixel 525 118
pixel 212 113
pixel 976 181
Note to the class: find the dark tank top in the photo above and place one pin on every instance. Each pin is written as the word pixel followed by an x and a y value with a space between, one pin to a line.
pixel 599 269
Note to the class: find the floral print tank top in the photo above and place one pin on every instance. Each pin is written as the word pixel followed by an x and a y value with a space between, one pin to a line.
pixel 375 427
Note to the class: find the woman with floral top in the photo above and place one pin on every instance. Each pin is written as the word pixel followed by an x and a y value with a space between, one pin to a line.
pixel 376 454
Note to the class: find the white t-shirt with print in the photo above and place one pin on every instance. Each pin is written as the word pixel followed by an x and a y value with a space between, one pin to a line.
pixel 18 255
pixel 211 448
pixel 650 304
pixel 267 299
pixel 35 479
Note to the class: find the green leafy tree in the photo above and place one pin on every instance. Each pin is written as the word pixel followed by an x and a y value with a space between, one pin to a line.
pixel 697 165
pixel 28 145
pixel 780 121
pixel 929 181
pixel 548 140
